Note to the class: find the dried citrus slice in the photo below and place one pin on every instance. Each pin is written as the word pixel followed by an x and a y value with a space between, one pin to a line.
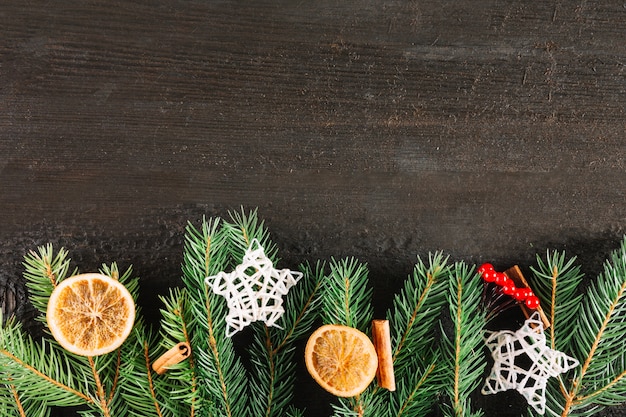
pixel 341 359
pixel 90 314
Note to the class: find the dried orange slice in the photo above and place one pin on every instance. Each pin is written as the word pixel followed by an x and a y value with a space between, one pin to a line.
pixel 341 359
pixel 90 314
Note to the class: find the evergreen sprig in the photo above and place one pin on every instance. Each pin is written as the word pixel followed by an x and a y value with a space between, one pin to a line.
pixel 597 342
pixel 44 269
pixel 59 378
pixel 416 313
pixel 243 229
pixel 414 323
pixel 174 393
pixel 27 366
pixel 223 382
pixel 346 300
pixel 557 283
pixel 414 320
pixel 273 350
pixel 437 353
pixel 463 358
pixel 221 374
pixel 346 297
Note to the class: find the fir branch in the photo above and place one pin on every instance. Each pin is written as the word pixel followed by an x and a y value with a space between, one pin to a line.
pixel 413 320
pixel 100 392
pixel 598 343
pixel 415 393
pixel 176 326
pixel 41 368
pixel 43 271
pixel 106 368
pixel 556 282
pixel 243 229
pixel 464 361
pixel 151 385
pixel 15 404
pixel 220 371
pixel 272 383
pixel 301 306
pixel 146 393
pixel 346 297
pixel 415 313
pixel 273 348
pixel 346 300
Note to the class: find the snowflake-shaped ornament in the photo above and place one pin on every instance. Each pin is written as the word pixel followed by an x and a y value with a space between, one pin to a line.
pixel 254 290
pixel 523 362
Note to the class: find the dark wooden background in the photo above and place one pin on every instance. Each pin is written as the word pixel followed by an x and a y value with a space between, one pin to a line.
pixel 383 130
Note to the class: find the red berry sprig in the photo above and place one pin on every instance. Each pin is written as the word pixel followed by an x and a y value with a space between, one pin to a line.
pixel 521 295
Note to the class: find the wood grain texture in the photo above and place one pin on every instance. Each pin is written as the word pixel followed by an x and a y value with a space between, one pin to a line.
pixel 489 129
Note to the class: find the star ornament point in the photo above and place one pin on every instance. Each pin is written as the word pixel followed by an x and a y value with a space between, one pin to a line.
pixel 253 290
pixel 523 361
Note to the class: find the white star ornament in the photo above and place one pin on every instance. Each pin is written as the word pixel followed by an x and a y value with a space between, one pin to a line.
pixel 523 362
pixel 254 290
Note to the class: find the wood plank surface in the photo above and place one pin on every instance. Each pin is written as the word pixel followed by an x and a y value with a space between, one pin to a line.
pixel 383 130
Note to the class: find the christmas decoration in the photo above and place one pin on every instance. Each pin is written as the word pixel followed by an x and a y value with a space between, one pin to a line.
pixel 36 375
pixel 187 363
pixel 90 314
pixel 512 284
pixel 522 295
pixel 508 286
pixel 253 290
pixel 175 355
pixel 341 359
pixel 381 338
pixel 429 362
pixel 588 322
pixel 510 349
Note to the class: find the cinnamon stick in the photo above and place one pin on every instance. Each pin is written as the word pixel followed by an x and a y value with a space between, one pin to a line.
pixel 381 338
pixel 176 354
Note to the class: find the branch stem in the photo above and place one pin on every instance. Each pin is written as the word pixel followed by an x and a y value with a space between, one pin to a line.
pixel 572 397
pixel 45 377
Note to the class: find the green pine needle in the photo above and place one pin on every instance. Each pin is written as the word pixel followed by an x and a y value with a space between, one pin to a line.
pixel 346 297
pixel 557 283
pixel 44 269
pixel 42 368
pixel 414 320
pixel 463 358
pixel 221 374
pixel 273 350
pixel 597 342
pixel 416 313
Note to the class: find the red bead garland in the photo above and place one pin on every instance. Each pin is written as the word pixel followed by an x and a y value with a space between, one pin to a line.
pixel 521 295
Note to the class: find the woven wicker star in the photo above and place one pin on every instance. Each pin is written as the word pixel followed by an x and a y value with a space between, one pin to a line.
pixel 523 362
pixel 254 290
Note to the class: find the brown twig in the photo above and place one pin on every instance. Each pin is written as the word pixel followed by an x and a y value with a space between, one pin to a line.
pixel 40 374
pixel 99 387
pixel 146 354
pixel 18 402
pixel 117 375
